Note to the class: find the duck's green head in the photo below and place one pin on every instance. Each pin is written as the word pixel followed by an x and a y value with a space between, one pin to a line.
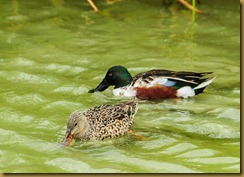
pixel 117 76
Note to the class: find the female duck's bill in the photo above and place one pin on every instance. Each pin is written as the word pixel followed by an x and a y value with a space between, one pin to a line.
pixel 68 138
pixel 100 122
pixel 154 84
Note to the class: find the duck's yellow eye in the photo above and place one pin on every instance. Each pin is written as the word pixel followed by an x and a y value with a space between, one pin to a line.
pixel 110 74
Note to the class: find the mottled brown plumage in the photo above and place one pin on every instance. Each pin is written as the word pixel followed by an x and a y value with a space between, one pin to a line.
pixel 100 122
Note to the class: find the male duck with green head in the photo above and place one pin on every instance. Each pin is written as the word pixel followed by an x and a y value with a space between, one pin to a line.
pixel 154 84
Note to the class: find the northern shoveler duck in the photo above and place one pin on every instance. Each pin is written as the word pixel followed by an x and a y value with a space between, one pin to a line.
pixel 154 84
pixel 100 122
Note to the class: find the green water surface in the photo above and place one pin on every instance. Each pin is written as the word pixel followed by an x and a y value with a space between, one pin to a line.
pixel 53 52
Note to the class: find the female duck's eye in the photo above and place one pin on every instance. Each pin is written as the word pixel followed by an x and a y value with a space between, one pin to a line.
pixel 110 74
pixel 75 124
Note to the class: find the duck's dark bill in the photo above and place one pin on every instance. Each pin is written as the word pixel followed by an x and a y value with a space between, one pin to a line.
pixel 92 91
pixel 101 87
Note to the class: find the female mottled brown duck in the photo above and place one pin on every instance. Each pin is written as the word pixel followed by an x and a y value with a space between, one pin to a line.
pixel 100 122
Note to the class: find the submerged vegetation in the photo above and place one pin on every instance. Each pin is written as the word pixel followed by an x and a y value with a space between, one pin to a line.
pixel 190 4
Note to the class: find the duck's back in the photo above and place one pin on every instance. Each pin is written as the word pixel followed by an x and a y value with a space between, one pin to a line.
pixel 161 84
pixel 109 121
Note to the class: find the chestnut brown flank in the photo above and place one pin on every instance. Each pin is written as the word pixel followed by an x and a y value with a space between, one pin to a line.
pixel 155 92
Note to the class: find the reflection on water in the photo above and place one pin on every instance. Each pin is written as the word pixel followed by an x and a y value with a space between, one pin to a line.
pixel 53 52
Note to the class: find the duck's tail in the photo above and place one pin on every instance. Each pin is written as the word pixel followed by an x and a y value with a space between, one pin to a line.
pixel 199 88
